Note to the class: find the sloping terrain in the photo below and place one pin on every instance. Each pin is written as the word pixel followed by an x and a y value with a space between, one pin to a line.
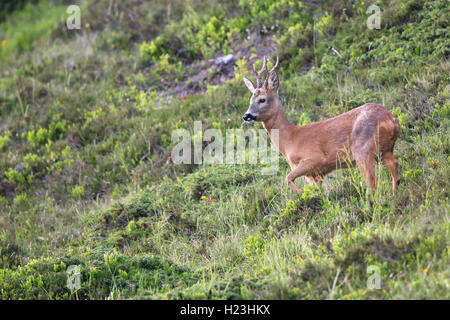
pixel 86 179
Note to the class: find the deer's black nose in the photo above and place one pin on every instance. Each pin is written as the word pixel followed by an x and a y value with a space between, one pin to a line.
pixel 249 117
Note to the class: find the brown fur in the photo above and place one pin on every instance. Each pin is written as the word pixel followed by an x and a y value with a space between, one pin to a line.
pixel 316 149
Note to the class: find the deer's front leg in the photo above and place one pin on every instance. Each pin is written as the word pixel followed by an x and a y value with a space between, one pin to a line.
pixel 312 180
pixel 303 168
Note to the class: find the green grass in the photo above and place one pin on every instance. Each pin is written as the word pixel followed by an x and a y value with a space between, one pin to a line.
pixel 86 118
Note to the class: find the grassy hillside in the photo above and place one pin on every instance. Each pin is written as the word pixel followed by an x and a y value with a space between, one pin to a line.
pixel 86 118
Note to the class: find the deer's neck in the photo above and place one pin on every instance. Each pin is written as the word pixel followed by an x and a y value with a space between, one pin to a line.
pixel 279 122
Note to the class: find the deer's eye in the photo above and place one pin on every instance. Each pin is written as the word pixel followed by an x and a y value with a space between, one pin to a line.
pixel 262 100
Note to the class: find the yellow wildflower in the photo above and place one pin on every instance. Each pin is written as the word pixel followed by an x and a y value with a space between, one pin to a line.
pixel 3 43
pixel 87 25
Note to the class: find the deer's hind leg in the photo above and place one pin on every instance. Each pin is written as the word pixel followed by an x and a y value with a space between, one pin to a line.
pixel 392 164
pixel 365 157
pixel 368 172
pixel 364 147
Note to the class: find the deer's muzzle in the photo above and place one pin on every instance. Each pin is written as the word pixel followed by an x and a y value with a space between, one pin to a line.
pixel 249 117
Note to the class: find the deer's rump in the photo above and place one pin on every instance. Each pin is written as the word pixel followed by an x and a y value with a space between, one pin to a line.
pixel 374 132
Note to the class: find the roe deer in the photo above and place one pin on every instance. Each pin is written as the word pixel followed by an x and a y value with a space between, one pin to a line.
pixel 318 148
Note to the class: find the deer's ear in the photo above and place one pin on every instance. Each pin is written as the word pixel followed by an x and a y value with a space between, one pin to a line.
pixel 273 82
pixel 250 85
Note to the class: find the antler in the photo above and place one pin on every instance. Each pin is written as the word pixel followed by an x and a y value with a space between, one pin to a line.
pixel 269 72
pixel 274 67
pixel 259 74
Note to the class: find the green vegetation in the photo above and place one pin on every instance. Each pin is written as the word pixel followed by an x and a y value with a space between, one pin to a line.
pixel 86 118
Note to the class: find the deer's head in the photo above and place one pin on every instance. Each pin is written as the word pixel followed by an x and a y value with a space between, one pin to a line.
pixel 264 101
